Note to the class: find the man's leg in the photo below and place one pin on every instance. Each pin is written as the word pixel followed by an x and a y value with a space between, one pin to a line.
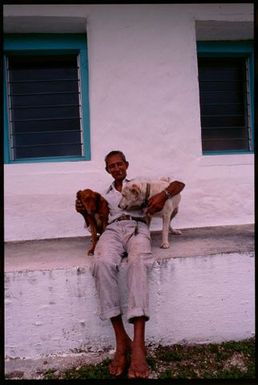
pixel 106 262
pixel 140 259
pixel 123 347
pixel 139 367
pixel 105 266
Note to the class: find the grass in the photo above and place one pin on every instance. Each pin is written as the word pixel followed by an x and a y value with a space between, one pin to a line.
pixel 226 360
pixel 229 360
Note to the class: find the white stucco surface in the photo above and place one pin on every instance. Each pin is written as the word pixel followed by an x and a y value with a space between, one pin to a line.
pixel 192 300
pixel 144 100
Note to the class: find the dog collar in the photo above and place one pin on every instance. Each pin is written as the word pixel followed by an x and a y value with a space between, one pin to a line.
pixel 147 194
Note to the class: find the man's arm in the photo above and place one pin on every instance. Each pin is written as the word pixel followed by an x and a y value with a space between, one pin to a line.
pixel 157 201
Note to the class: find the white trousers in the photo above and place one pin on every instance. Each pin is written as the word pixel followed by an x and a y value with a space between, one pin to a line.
pixel 120 237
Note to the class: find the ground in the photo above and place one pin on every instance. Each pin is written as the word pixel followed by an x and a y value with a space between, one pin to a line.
pixel 228 360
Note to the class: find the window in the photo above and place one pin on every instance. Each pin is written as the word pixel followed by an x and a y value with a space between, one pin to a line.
pixel 46 117
pixel 226 96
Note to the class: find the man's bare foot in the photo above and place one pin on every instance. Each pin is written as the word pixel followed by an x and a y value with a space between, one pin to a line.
pixel 119 362
pixel 139 367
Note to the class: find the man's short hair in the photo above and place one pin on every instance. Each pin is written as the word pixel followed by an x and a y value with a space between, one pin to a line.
pixel 115 152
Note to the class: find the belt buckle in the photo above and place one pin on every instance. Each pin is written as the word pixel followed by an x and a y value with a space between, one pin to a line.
pixel 123 217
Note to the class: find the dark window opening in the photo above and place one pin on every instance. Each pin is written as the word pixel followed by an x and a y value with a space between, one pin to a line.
pixel 224 104
pixel 44 106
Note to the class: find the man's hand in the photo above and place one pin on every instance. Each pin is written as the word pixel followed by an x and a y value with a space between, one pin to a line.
pixel 157 201
pixel 79 206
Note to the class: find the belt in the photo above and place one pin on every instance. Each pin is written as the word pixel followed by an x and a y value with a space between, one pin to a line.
pixel 125 217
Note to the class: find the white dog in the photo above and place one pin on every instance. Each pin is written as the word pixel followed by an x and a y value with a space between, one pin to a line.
pixel 136 193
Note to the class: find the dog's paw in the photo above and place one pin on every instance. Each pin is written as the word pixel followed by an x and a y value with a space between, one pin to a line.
pixel 164 245
pixel 175 231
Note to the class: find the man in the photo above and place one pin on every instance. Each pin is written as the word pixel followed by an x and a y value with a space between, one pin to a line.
pixel 128 233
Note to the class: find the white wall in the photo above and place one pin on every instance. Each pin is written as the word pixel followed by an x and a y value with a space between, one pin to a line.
pixel 144 100
pixel 192 300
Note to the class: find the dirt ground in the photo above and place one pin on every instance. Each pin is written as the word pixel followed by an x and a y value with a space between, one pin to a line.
pixel 233 359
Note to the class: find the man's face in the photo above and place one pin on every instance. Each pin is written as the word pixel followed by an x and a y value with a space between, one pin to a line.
pixel 117 167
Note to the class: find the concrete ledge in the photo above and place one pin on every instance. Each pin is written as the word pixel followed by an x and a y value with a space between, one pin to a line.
pixel 71 252
pixel 51 305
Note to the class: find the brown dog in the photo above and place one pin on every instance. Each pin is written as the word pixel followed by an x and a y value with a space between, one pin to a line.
pixel 95 213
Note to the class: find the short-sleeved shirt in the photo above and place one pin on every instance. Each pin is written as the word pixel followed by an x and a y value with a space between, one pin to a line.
pixel 113 197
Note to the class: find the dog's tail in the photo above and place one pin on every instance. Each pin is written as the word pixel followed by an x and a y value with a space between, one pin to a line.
pixel 165 179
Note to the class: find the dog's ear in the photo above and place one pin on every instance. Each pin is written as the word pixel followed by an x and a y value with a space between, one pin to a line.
pixel 103 205
pixel 98 199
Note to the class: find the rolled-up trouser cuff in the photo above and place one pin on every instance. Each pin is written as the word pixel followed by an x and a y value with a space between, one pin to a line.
pixel 137 312
pixel 110 313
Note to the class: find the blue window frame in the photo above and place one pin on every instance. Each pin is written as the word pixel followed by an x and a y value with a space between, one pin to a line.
pixel 226 83
pixel 46 107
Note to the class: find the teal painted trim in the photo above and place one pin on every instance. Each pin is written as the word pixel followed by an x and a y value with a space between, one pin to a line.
pixel 229 152
pixel 6 119
pixel 226 47
pixel 51 44
pixel 50 159
pixel 245 49
pixel 37 42
pixel 85 103
pixel 251 80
